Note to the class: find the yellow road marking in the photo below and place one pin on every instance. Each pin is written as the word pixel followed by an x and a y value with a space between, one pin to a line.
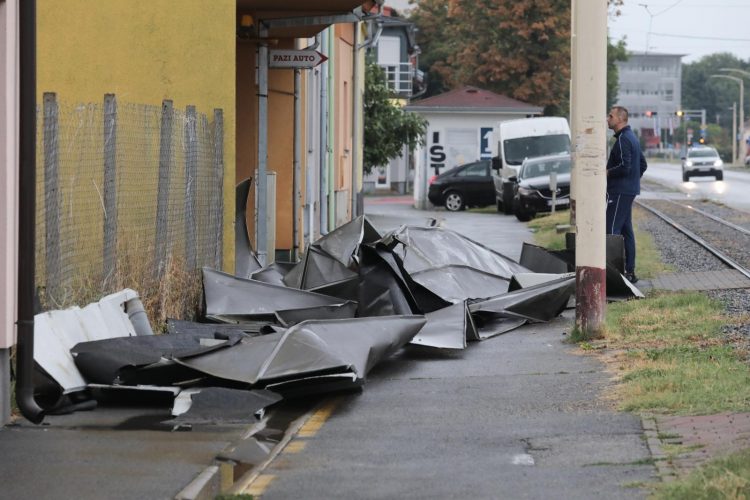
pixel 316 421
pixel 295 447
pixel 258 487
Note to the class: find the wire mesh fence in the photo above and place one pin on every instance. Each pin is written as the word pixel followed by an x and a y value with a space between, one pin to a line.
pixel 128 195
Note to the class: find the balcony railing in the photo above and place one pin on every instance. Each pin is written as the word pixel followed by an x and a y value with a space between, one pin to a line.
pixel 400 77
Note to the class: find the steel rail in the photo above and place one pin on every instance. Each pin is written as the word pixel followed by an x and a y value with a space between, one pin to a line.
pixel 715 251
pixel 713 218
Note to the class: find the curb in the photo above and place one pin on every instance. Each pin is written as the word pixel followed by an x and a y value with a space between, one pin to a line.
pixel 205 486
pixel 662 463
pixel 242 484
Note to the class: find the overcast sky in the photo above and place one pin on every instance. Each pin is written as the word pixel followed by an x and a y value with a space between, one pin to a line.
pixel 692 27
pixel 695 27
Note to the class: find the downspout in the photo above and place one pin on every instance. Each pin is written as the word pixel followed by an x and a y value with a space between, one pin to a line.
pixel 323 176
pixel 297 154
pixel 313 111
pixel 296 171
pixel 357 115
pixel 27 214
pixel 261 183
pixel 358 105
pixel 331 128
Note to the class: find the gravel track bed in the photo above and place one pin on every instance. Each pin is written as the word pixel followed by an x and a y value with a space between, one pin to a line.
pixel 685 255
pixel 738 217
pixel 676 249
pixel 731 242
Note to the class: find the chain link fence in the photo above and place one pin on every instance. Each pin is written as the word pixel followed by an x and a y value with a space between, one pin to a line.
pixel 128 195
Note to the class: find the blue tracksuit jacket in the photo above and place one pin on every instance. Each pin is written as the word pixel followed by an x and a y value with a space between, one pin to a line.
pixel 626 164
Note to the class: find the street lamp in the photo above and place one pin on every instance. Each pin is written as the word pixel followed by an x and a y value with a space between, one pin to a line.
pixel 742 103
pixel 741 127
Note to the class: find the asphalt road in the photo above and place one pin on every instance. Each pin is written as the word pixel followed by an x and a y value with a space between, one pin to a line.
pixel 523 415
pixel 732 191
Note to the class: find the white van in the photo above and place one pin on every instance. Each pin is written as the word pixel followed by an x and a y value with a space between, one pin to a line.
pixel 517 140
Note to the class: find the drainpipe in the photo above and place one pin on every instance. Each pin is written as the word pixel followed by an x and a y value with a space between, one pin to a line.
pixel 297 154
pixel 27 214
pixel 357 116
pixel 296 162
pixel 358 103
pixel 331 129
pixel 261 184
pixel 313 111
pixel 323 176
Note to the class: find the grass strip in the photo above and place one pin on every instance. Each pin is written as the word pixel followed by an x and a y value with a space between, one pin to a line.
pixel 671 357
pixel 727 477
pixel 648 263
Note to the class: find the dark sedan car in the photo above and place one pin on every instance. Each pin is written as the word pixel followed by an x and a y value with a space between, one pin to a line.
pixel 468 185
pixel 531 190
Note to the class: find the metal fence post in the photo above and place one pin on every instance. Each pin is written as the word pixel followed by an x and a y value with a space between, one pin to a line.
pixel 51 194
pixel 162 201
pixel 110 188
pixel 191 171
pixel 218 202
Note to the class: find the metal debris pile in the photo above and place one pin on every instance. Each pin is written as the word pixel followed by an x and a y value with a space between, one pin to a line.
pixel 285 331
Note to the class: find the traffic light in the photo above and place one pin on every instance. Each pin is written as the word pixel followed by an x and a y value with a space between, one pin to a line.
pixel 649 114
pixel 702 140
pixel 680 113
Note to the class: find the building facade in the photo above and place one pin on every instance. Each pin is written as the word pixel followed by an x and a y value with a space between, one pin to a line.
pixel 650 88
pixel 396 51
pixel 193 57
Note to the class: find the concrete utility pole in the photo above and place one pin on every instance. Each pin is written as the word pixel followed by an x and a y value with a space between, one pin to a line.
pixel 589 154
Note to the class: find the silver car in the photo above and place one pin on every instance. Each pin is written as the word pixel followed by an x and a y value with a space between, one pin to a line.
pixel 700 161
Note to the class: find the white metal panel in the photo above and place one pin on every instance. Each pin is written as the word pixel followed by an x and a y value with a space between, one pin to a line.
pixel 56 332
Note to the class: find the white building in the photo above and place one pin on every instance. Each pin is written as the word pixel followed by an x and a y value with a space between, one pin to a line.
pixel 650 84
pixel 460 130
pixel 396 51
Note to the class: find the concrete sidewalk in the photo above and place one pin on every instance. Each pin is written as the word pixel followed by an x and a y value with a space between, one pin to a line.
pixel 523 415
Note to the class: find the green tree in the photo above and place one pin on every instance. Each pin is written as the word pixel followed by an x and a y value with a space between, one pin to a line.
pixel 615 52
pixel 715 95
pixel 716 136
pixel 389 128
pixel 519 48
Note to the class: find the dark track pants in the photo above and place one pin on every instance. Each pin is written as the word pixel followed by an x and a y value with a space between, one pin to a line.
pixel 620 221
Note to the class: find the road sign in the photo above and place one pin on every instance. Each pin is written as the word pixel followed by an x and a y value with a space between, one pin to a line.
pixel 485 136
pixel 295 58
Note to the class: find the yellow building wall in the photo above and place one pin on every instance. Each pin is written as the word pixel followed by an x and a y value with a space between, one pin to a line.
pixel 145 51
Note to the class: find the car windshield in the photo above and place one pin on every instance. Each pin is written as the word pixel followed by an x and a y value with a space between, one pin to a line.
pixel 703 153
pixel 545 167
pixel 517 150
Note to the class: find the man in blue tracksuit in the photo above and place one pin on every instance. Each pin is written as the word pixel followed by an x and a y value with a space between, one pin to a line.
pixel 625 167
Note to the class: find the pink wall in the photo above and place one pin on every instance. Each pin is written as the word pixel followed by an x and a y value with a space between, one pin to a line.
pixel 8 168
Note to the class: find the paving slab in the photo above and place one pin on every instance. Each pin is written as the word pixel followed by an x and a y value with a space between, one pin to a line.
pixel 703 437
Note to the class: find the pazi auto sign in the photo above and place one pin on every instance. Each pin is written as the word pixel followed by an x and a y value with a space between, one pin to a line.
pixel 295 58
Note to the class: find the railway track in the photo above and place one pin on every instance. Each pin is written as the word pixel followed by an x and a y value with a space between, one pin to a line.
pixel 726 240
